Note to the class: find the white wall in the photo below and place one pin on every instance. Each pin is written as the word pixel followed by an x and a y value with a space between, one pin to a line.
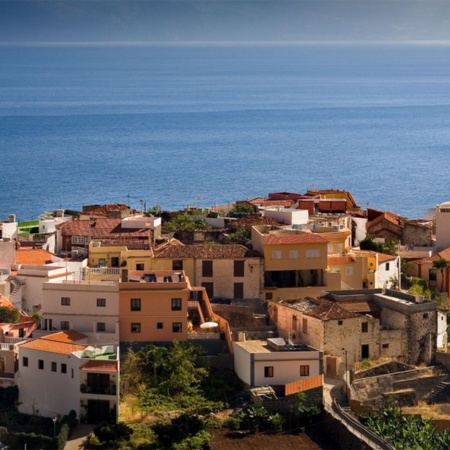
pixel 287 216
pixel 385 274
pixel 48 392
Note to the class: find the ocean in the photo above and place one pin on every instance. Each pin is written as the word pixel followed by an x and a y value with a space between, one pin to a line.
pixel 207 125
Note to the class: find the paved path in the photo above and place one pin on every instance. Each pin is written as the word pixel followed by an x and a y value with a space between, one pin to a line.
pixel 78 437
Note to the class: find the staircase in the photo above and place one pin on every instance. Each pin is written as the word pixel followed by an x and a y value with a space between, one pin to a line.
pixel 16 284
pixel 441 389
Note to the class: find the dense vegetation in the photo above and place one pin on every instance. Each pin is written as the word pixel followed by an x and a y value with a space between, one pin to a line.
pixel 406 432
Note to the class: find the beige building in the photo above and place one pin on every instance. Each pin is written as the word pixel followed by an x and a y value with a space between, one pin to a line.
pixel 90 307
pixel 295 263
pixel 364 269
pixel 275 362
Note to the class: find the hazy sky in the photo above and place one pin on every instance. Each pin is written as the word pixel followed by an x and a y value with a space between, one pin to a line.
pixel 223 20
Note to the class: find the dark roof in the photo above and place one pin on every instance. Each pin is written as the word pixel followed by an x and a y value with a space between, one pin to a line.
pixel 205 251
pixel 102 228
pixel 320 309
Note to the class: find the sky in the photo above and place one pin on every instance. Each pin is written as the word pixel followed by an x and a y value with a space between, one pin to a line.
pixel 184 21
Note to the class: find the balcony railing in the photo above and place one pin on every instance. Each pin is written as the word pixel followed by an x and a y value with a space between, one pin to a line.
pixel 95 389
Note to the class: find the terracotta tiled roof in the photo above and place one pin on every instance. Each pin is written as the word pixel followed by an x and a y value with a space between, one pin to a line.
pixel 334 235
pixel 101 365
pixel 103 210
pixel 337 260
pixel 34 257
pixel 65 336
pixel 50 346
pixel 213 251
pixel 303 238
pixel 101 229
pixel 320 309
pixel 382 257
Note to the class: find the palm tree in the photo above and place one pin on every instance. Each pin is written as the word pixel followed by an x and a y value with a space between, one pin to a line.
pixel 441 264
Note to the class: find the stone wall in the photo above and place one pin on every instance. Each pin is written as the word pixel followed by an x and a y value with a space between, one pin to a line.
pixel 416 235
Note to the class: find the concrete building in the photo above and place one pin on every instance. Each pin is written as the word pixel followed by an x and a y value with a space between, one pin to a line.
pixel 274 362
pixel 59 372
pixel 365 269
pixel 443 226
pixel 227 271
pixel 89 307
pixel 295 263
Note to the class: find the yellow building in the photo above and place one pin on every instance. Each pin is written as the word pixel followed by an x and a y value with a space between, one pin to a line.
pixel 295 263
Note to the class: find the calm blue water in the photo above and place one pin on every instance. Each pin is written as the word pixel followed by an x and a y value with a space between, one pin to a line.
pixel 210 125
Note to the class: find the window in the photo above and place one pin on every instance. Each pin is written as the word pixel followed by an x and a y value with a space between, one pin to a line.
pixel 114 261
pixel 159 326
pixel 63 368
pixel 177 264
pixel 340 322
pixel 101 302
pixel 387 266
pixel 293 254
pixel 207 268
pixel 79 240
pixel 239 267
pixel 53 366
pixel 268 372
pixel 425 315
pixel 304 371
pixel 432 275
pixel 269 296
pixel 140 266
pixel 71 373
pixel 65 301
pixel 349 271
pixel 102 262
pixel 177 327
pixel 135 304
pixel 65 325
pixel 305 326
pixel 276 254
pixel 209 288
pixel 101 326
pixel 136 327
pixel 25 361
pixel 41 364
pixel 385 345
pixel 176 304
pixel 364 327
pixel 313 253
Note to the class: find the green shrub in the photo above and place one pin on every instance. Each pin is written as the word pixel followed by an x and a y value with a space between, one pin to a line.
pixel 233 423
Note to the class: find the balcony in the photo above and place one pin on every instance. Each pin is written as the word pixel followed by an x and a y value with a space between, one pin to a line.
pixel 98 389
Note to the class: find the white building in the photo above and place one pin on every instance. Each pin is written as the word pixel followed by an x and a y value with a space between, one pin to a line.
pixel 443 226
pixel 273 362
pixel 295 217
pixel 59 373
pixel 91 307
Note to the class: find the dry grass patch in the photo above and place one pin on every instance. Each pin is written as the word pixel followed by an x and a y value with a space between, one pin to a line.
pixel 435 412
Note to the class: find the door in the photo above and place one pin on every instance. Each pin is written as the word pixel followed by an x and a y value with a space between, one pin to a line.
pixel 365 351
pixel 238 290
pixel 98 411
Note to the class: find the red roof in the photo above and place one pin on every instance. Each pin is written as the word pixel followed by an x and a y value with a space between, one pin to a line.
pixel 207 251
pixel 304 238
pixel 101 365
pixel 101 228
pixel 33 256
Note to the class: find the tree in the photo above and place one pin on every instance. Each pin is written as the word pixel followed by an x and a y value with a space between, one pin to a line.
pixel 441 264
pixel 9 315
